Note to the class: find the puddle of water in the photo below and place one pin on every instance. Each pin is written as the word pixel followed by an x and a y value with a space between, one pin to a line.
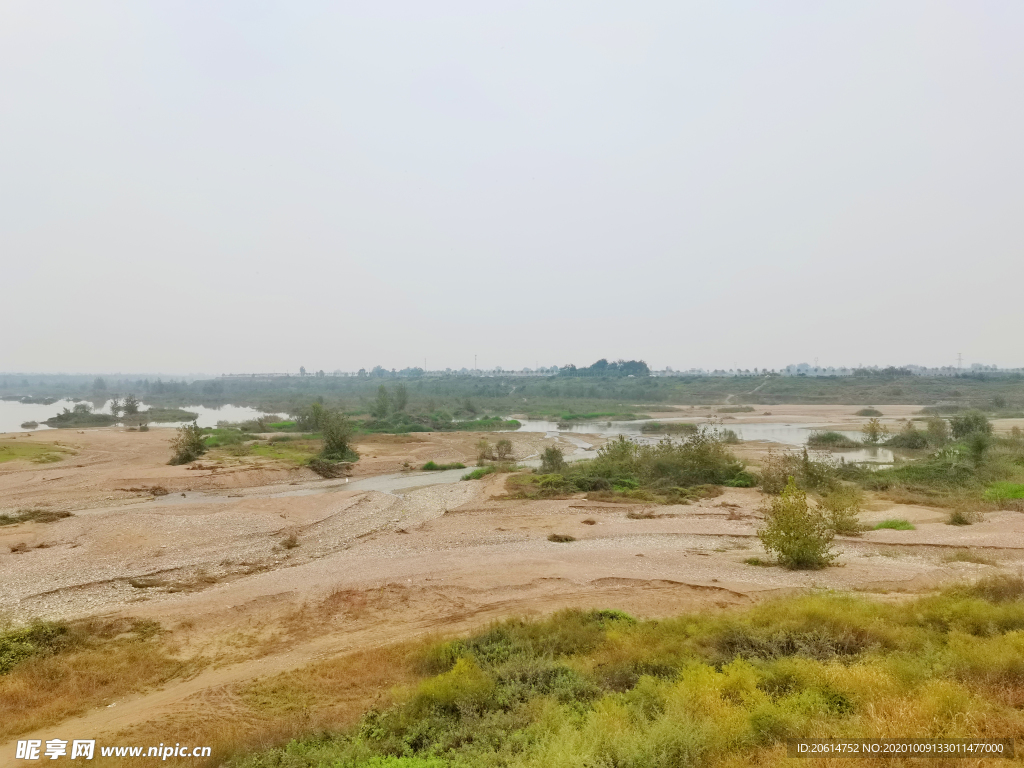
pixel 209 417
pixel 603 428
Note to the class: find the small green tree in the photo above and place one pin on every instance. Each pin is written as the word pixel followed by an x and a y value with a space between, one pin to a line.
pixel 337 432
pixel 82 408
pixel 552 461
pixel 937 432
pixel 400 398
pixel 382 404
pixel 312 418
pixel 503 449
pixel 188 444
pixel 115 406
pixel 484 451
pixel 874 431
pixel 977 444
pixel 131 405
pixel 967 424
pixel 800 536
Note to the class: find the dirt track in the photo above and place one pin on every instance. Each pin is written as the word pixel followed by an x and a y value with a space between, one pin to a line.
pixel 369 567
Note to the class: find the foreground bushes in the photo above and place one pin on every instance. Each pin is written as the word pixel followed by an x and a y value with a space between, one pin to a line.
pixel 601 689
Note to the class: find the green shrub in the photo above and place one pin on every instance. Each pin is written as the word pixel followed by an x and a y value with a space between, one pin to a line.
pixel 188 444
pixel 895 524
pixel 552 460
pixel 818 474
pixel 969 423
pixel 869 412
pixel 937 432
pixel 337 432
pixel 909 438
pixel 799 535
pixel 831 440
pixel 842 507
pixel 434 466
pixel 743 479
pixel 874 431
pixel 961 516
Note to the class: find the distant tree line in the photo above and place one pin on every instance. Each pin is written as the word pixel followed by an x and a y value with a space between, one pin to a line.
pixel 603 368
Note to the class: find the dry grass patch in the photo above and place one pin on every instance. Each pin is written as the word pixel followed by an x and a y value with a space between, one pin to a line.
pixel 969 556
pixel 60 670
pixel 319 697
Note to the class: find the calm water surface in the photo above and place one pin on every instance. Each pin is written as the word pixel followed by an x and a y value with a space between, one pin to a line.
pixel 13 414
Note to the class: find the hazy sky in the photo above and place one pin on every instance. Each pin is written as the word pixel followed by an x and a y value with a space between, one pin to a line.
pixel 240 186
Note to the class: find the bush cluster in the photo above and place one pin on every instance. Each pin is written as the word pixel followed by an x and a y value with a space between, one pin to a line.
pixel 672 472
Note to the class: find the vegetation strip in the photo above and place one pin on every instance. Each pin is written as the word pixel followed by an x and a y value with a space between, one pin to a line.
pixel 601 688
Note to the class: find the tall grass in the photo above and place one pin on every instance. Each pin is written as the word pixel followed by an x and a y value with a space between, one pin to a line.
pixel 599 688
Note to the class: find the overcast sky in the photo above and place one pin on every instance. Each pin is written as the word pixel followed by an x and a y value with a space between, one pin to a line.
pixel 252 186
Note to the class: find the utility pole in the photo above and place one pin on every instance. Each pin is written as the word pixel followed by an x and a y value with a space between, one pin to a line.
pixel 959 361
pixel 474 362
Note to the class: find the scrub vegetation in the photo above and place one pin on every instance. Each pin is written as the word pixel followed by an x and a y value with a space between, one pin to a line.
pixel 975 469
pixel 433 466
pixel 188 444
pixel 670 428
pixel 32 516
pixel 600 688
pixel 831 441
pixel 667 473
pixel 961 466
